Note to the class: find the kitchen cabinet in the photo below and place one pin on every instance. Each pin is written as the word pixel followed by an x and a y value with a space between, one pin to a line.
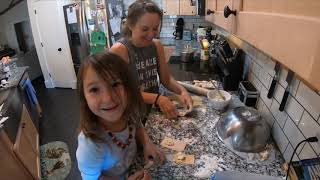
pixel 170 7
pixel 23 159
pixel 287 30
pixel 11 167
pixel 186 8
pixel 178 7
pixel 217 17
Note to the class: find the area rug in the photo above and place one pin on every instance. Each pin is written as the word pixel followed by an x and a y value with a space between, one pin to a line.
pixel 55 161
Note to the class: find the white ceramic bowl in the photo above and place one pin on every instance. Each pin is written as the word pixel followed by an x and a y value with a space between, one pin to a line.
pixel 216 101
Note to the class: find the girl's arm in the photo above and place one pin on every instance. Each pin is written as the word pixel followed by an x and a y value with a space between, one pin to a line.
pixel 150 151
pixel 166 78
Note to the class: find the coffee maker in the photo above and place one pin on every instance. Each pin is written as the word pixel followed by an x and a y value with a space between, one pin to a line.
pixel 179 29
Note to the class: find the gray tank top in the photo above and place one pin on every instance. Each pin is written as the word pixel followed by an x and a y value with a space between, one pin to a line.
pixel 143 61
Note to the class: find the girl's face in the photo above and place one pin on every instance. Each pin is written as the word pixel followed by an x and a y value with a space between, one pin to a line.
pixel 106 100
pixel 145 29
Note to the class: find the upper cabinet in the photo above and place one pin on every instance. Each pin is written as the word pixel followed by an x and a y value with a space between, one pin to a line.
pixel 287 30
pixel 215 13
pixel 187 8
pixel 178 7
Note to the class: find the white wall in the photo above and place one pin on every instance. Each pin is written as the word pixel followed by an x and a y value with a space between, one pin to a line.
pixel 7 32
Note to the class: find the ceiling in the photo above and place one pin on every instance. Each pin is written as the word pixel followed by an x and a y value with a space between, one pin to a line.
pixel 4 4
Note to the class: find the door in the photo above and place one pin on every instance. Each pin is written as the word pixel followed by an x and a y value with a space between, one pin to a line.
pixel 54 43
pixel 171 7
pixel 187 7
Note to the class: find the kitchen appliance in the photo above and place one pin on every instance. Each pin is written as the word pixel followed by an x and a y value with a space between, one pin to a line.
pixel 178 33
pixel 85 29
pixel 248 94
pixel 244 127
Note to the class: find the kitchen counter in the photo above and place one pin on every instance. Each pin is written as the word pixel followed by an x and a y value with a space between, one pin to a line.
pixel 13 97
pixel 211 154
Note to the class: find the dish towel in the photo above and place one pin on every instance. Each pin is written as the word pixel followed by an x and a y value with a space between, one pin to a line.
pixel 31 93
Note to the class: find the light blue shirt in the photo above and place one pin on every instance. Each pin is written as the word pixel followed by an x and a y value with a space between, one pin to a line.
pixel 107 158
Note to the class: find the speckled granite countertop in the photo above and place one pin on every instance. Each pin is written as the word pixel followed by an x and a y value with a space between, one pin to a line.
pixel 15 78
pixel 211 155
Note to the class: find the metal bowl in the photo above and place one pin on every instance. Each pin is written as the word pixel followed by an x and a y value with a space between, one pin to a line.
pixel 248 131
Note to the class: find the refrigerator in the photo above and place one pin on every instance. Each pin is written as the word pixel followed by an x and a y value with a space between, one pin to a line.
pixel 87 29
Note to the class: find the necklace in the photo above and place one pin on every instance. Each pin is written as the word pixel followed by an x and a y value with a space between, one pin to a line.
pixel 118 142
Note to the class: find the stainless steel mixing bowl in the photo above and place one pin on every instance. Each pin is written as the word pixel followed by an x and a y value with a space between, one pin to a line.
pixel 248 131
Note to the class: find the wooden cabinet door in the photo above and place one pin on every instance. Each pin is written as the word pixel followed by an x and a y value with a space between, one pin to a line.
pixel 287 30
pixel 186 8
pixel 11 168
pixel 218 17
pixel 171 7
pixel 26 145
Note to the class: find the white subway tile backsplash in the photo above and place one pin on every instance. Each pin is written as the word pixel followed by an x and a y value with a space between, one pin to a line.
pixel 255 68
pixel 283 76
pixel 294 109
pixel 309 128
pixel 293 133
pixel 280 117
pixel 309 99
pixel 256 83
pixel 265 78
pixel 307 152
pixel 263 95
pixel 278 92
pixel 279 137
pixel 288 153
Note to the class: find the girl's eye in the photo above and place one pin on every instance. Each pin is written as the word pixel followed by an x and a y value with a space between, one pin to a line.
pixel 93 90
pixel 144 29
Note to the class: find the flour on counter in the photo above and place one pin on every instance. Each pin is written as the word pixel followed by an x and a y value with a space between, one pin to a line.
pixel 208 165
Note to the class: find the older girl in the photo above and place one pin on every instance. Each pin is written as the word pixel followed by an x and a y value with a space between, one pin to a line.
pixel 145 55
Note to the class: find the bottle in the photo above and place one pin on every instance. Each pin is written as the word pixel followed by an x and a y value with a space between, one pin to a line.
pixel 204 56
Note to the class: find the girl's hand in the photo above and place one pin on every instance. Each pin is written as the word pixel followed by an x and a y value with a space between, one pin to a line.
pixel 186 99
pixel 140 175
pixel 152 153
pixel 167 107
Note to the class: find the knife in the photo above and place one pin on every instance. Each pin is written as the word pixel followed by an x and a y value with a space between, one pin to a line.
pixel 286 92
pixel 275 80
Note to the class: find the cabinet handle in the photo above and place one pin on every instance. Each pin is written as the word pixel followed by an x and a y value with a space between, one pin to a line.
pixel 227 11
pixel 23 125
pixel 209 11
pixel 59 49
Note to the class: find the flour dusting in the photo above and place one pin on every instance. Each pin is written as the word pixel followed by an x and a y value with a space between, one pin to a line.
pixel 208 165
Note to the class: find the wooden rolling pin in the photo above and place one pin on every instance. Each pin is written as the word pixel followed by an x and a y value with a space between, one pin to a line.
pixel 194 89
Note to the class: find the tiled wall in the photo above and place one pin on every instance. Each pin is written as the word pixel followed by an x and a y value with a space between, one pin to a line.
pixel 191 23
pixel 301 117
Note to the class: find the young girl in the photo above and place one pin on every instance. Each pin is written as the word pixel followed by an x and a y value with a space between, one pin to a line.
pixel 145 55
pixel 111 110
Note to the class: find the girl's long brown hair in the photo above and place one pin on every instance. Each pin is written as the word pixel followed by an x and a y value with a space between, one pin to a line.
pixel 108 65
pixel 138 9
